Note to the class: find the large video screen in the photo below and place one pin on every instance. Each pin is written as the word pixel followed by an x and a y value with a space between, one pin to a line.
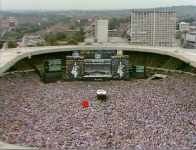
pixel 76 53
pixel 140 69
pixel 54 65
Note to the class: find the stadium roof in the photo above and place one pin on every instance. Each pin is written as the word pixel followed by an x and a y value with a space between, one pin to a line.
pixel 9 57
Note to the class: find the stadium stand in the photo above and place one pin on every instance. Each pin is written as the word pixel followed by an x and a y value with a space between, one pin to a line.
pixel 136 58
pixel 156 61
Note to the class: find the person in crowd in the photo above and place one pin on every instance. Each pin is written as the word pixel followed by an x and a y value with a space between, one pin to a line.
pixel 157 114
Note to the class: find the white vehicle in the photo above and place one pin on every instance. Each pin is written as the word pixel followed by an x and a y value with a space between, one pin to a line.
pixel 101 94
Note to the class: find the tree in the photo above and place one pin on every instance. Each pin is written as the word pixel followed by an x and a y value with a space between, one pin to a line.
pixel 111 26
pixel 82 31
pixel 178 35
pixel 16 34
pixel 40 44
pixel 188 46
pixel 115 23
pixel 79 37
pixel 13 35
pixel 51 39
pixel 182 41
pixel 12 44
pixel 72 42
pixel 69 37
pixel 189 20
pixel 61 35
pixel 72 27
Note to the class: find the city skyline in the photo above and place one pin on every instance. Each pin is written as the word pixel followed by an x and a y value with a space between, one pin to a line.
pixel 88 5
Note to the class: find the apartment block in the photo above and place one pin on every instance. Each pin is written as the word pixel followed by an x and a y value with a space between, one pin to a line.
pixel 153 28
pixel 101 31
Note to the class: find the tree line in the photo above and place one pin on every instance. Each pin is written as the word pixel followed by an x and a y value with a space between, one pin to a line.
pixel 17 33
pixel 115 22
pixel 52 39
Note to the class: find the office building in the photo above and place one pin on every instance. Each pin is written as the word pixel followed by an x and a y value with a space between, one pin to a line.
pixel 183 26
pixel 191 37
pixel 153 28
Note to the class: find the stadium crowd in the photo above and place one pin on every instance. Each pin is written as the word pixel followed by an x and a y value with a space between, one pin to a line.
pixel 138 114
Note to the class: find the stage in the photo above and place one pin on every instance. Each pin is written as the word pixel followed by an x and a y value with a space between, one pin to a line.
pixel 97 77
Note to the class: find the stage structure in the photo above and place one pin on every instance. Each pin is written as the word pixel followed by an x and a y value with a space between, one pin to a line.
pixel 52 70
pixel 97 65
pixel 92 65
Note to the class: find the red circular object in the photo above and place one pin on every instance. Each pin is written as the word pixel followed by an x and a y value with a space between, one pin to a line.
pixel 85 104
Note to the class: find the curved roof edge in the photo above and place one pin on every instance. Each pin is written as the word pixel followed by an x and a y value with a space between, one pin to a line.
pixel 9 57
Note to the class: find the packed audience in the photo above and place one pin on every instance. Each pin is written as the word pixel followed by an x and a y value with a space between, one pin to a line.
pixel 139 114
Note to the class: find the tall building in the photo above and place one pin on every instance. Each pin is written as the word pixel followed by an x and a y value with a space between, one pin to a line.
pixel 153 28
pixel 183 26
pixel 14 21
pixel 101 31
pixel 11 22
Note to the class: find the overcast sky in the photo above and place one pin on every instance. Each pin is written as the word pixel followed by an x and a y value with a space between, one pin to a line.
pixel 91 4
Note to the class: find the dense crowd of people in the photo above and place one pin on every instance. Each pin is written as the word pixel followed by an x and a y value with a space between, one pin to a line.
pixel 138 114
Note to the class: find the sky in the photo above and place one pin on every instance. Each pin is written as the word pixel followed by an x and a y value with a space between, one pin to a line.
pixel 89 4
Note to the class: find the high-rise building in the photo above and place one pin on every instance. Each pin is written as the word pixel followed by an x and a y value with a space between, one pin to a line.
pixel 153 28
pixel 101 31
